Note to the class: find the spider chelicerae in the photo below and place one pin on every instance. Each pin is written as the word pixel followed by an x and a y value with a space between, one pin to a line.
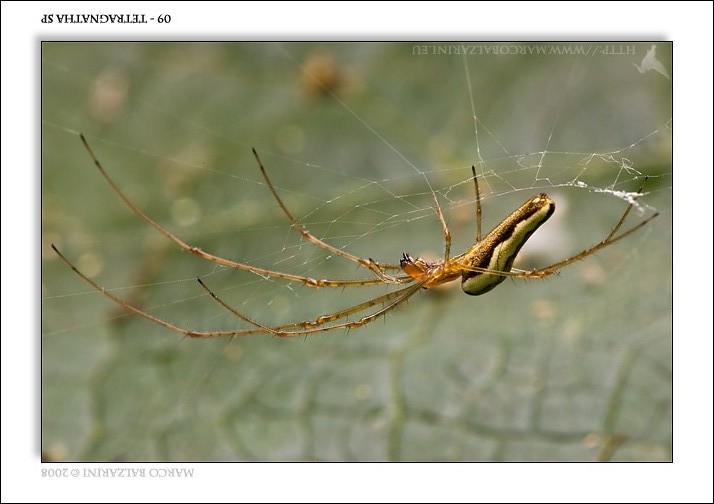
pixel 482 267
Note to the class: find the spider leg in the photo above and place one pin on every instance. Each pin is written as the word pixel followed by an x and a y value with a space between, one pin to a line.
pixel 447 233
pixel 611 238
pixel 478 206
pixel 294 329
pixel 321 323
pixel 310 282
pixel 130 307
pixel 445 228
pixel 377 268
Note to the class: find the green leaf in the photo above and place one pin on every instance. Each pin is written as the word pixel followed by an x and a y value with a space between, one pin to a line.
pixel 574 367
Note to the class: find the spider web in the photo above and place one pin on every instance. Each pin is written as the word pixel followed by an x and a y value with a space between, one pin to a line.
pixel 358 138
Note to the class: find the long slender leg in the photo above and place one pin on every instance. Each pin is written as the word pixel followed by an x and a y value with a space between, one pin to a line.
pixel 294 329
pixel 611 238
pixel 478 206
pixel 445 228
pixel 320 325
pixel 310 282
pixel 130 307
pixel 447 233
pixel 376 268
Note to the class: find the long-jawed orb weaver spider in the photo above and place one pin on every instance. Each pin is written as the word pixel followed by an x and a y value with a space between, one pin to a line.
pixel 481 268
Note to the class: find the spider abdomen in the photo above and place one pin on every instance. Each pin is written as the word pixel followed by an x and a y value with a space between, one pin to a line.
pixel 497 251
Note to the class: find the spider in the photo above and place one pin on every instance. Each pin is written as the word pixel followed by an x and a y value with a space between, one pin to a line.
pixel 481 268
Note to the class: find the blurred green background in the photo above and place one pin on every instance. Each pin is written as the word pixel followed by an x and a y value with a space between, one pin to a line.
pixel 575 367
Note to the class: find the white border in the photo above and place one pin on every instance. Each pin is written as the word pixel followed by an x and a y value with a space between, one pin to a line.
pixel 689 25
